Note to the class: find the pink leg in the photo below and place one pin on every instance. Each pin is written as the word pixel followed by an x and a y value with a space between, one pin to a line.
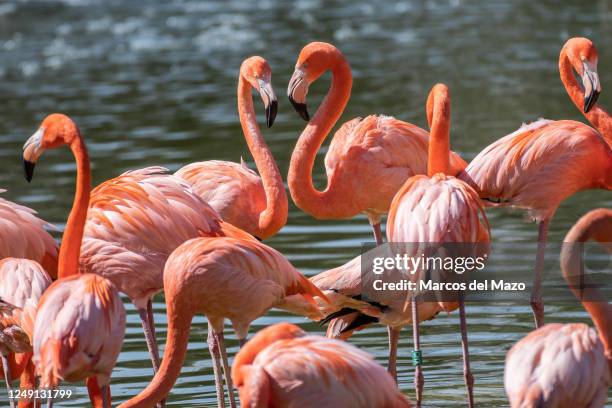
pixel 227 372
pixel 393 340
pixel 213 346
pixel 149 334
pixel 7 377
pixel 467 373
pixel 377 233
pixel 417 359
pixel 537 305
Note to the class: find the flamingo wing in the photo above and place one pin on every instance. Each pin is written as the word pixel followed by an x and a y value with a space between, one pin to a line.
pixel 24 235
pixel 558 366
pixel 78 331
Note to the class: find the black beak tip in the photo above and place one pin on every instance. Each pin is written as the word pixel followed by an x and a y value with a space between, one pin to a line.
pixel 590 101
pixel 271 111
pixel 301 109
pixel 28 168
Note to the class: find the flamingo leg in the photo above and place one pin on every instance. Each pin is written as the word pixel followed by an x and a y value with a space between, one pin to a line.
pixel 537 305
pixel 377 233
pixel 227 372
pixel 419 380
pixel 106 401
pixel 149 337
pixel 467 372
pixel 393 340
pixel 50 402
pixel 213 346
pixel 7 377
pixel 242 342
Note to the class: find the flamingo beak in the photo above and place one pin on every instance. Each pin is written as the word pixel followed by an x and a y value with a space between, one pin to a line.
pixel 592 87
pixel 297 91
pixel 269 99
pixel 31 152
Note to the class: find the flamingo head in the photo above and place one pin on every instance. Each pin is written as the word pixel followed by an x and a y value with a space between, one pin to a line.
pixel 257 72
pixel 314 60
pixel 57 129
pixel 582 54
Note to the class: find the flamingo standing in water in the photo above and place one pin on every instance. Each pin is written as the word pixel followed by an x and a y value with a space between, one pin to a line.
pixel 568 365
pixel 283 366
pixel 22 282
pixel 222 278
pixel 137 219
pixel 432 209
pixel 543 163
pixel 257 205
pixel 23 236
pixel 80 320
pixel 369 158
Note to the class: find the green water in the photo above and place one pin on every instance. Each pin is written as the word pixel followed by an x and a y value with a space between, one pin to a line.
pixel 153 82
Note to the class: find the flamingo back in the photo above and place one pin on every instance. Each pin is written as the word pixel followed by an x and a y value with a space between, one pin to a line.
pixel 384 152
pixel 79 329
pixel 558 366
pixel 22 283
pixel 540 165
pixel 146 214
pixel 233 190
pixel 314 371
pixel 244 277
pixel 24 235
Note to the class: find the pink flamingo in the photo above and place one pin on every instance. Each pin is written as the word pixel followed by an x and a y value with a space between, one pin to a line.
pixel 436 208
pixel 543 163
pixel 568 365
pixel 137 219
pixel 76 305
pixel 24 236
pixel 222 278
pixel 282 366
pixel 257 205
pixel 369 158
pixel 22 282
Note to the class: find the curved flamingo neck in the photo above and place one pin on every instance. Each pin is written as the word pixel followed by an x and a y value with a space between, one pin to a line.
pixel 304 194
pixel 70 249
pixel 179 326
pixel 438 115
pixel 597 226
pixel 274 217
pixel 597 116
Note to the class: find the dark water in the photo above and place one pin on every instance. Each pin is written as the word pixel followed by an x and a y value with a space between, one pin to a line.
pixel 153 82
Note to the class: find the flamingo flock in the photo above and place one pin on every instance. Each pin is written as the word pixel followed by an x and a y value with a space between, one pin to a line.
pixel 195 235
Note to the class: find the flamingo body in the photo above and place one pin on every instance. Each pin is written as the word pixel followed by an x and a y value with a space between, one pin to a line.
pixel 133 224
pixel 558 365
pixel 233 190
pixel 283 367
pixel 540 165
pixel 78 330
pixel 384 152
pixel 24 235
pixel 22 283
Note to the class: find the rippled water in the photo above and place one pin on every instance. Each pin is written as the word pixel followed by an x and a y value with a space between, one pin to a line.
pixel 153 82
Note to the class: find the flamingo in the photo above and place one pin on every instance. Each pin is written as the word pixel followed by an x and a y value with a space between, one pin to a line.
pixel 222 278
pixel 137 219
pixel 22 282
pixel 283 366
pixel 257 205
pixel 23 236
pixel 369 158
pixel 568 365
pixel 433 209
pixel 541 164
pixel 77 305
